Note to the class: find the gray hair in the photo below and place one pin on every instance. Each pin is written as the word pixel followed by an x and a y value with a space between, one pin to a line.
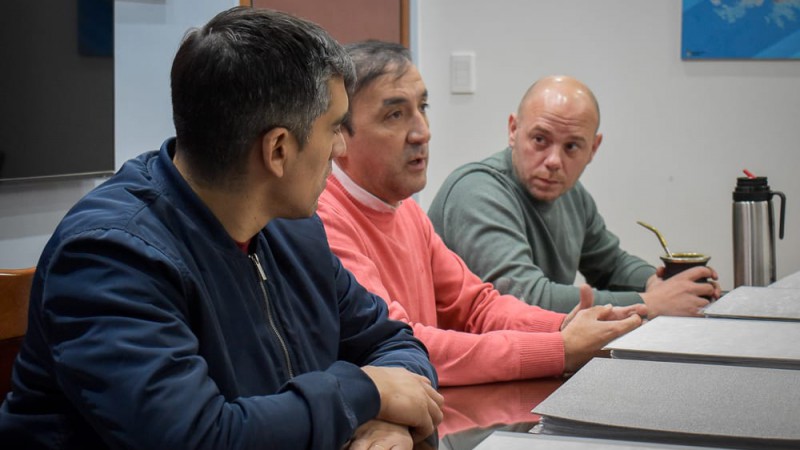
pixel 372 60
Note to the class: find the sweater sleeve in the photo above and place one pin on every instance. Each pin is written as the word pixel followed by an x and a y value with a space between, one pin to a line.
pixel 481 217
pixel 605 265
pixel 486 336
pixel 482 336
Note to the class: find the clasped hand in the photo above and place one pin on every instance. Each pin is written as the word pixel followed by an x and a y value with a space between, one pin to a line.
pixel 407 399
pixel 587 329
pixel 682 294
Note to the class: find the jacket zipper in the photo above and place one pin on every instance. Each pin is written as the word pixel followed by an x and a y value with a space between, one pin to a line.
pixel 254 257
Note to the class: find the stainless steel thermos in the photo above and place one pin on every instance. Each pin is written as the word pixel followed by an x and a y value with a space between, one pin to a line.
pixel 754 232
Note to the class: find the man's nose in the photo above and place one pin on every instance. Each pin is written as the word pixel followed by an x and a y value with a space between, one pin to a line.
pixel 339 146
pixel 420 132
pixel 553 159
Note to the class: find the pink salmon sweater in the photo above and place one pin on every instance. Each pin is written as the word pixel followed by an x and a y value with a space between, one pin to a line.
pixel 472 332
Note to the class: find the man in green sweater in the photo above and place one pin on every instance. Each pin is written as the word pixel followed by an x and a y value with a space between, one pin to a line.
pixel 521 220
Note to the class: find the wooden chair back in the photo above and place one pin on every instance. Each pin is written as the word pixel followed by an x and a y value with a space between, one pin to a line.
pixel 15 291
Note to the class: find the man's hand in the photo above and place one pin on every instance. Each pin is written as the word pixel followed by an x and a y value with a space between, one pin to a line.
pixel 681 295
pixel 407 399
pixel 616 313
pixel 380 435
pixel 585 302
pixel 589 328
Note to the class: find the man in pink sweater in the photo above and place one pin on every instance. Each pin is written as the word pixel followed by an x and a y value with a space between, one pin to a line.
pixel 474 334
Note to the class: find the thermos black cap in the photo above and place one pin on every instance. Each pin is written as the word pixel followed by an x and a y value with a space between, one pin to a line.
pixel 751 190
pixel 756 189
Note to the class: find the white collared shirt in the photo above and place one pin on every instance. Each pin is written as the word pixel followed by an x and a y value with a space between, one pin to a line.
pixel 360 194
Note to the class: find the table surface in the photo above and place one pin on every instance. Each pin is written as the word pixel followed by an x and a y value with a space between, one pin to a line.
pixel 472 413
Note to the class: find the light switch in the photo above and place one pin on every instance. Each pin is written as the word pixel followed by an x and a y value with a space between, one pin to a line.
pixel 462 73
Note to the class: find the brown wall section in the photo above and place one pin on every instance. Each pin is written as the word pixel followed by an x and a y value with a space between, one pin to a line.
pixel 350 20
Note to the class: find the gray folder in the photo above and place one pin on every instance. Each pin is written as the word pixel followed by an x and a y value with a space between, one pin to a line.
pixel 504 440
pixel 791 281
pixel 677 403
pixel 752 302
pixel 756 343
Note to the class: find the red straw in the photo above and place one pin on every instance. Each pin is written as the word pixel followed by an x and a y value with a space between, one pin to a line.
pixel 749 174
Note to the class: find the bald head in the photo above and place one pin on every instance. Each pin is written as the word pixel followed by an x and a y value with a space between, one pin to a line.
pixel 557 91
pixel 553 136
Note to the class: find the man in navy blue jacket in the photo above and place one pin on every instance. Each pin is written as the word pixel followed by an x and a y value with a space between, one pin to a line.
pixel 192 301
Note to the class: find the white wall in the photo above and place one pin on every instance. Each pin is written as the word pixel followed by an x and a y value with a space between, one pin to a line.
pixel 677 134
pixel 146 36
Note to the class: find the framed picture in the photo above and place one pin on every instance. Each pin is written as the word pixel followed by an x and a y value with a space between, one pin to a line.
pixel 740 29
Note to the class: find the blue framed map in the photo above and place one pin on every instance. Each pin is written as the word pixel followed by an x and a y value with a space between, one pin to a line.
pixel 740 29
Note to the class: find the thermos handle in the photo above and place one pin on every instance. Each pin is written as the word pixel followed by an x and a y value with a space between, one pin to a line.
pixel 783 210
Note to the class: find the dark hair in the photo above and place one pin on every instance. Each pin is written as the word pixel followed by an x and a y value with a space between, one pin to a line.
pixel 244 73
pixel 373 59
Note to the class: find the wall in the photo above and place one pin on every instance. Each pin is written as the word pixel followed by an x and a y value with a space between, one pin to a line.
pixel 347 20
pixel 146 35
pixel 676 134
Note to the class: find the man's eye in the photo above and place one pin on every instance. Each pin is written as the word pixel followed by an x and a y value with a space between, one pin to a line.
pixel 395 115
pixel 424 107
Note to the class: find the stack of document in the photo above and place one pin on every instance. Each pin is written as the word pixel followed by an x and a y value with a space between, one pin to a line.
pixel 751 302
pixel 754 343
pixel 504 440
pixel 677 403
pixel 792 281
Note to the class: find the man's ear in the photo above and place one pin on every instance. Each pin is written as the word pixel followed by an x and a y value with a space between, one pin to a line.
pixel 598 139
pixel 512 129
pixel 276 147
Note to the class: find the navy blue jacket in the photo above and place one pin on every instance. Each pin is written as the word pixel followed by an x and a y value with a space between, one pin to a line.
pixel 150 328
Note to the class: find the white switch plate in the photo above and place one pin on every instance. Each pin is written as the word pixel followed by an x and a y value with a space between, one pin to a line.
pixel 462 73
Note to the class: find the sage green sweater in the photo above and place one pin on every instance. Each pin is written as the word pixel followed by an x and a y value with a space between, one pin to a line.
pixel 532 249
